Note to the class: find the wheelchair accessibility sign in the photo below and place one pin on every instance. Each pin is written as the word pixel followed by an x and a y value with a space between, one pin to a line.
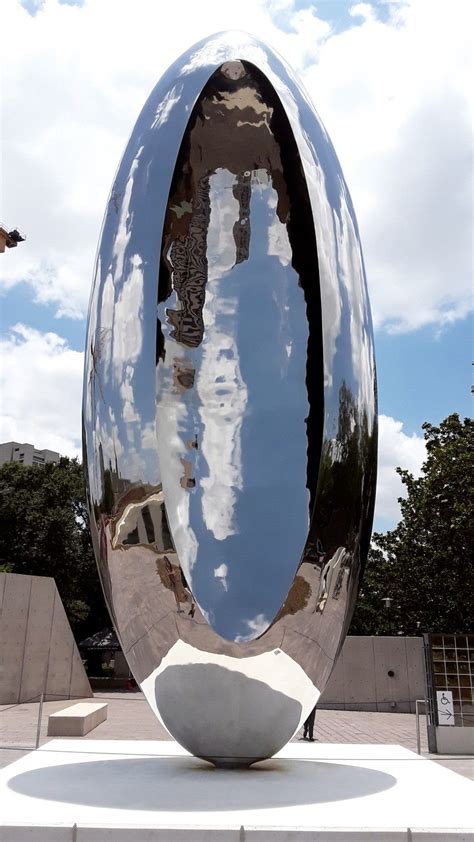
pixel 444 703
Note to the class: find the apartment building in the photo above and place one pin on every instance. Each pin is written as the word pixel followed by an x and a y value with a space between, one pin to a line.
pixel 26 454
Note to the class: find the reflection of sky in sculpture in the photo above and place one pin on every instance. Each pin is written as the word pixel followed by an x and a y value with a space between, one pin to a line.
pixel 231 404
pixel 253 435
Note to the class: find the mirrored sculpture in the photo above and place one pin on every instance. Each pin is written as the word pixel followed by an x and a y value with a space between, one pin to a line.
pixel 230 428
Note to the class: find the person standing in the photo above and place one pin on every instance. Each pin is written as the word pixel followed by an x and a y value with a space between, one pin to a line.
pixel 309 726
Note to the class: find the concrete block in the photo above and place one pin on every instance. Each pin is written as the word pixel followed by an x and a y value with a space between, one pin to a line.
pixel 38 651
pixel 454 740
pixel 77 720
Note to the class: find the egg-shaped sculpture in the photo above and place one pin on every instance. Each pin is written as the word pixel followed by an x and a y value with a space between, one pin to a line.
pixel 229 402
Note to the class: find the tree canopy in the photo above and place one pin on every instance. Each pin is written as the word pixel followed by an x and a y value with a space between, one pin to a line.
pixel 45 532
pixel 425 566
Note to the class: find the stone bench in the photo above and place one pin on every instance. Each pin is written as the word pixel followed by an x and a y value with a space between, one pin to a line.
pixel 77 720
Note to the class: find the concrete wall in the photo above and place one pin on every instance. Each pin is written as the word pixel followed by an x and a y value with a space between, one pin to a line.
pixel 38 653
pixel 360 680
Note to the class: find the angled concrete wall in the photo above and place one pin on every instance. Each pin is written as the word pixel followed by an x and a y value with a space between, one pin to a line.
pixel 361 679
pixel 38 653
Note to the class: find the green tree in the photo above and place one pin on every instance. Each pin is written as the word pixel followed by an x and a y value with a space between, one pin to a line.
pixel 45 532
pixel 425 566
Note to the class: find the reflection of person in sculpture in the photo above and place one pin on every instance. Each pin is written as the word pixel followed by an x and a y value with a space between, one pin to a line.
pixel 308 726
pixel 172 577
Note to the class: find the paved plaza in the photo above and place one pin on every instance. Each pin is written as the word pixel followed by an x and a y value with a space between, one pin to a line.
pixel 130 718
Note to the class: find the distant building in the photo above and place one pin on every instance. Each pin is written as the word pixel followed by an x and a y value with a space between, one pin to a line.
pixel 10 239
pixel 26 454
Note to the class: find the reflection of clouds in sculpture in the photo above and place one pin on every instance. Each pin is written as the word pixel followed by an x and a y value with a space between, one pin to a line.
pixel 129 413
pixel 222 392
pixel 256 626
pixel 323 216
pixel 224 398
pixel 170 421
pixel 351 260
pixel 327 250
pixel 138 464
pixel 221 245
pixel 128 331
pixel 89 374
pixel 215 53
pixel 133 458
pixel 106 453
pixel 279 247
pixel 124 229
pixel 278 243
pixel 220 574
pixel 165 107
pixel 149 436
pixel 106 316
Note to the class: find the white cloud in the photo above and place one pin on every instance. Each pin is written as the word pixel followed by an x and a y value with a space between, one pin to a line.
pixel 256 626
pixel 396 449
pixel 40 385
pixel 220 372
pixel 394 96
pixel 220 573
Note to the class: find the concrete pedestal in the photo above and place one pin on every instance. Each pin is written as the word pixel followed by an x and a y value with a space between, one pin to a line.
pixel 124 791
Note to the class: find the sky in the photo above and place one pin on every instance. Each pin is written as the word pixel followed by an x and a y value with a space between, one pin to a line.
pixel 392 84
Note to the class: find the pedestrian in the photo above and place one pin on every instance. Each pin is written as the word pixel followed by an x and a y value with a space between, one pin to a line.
pixel 309 726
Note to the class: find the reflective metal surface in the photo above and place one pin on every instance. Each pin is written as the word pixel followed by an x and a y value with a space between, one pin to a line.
pixel 230 402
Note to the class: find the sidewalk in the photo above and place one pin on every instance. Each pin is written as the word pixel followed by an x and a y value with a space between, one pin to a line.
pixel 130 718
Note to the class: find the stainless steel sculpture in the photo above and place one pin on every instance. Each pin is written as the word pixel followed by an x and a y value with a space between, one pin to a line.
pixel 229 402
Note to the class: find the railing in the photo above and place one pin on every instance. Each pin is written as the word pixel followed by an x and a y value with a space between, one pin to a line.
pixel 40 698
pixel 417 722
pixel 43 697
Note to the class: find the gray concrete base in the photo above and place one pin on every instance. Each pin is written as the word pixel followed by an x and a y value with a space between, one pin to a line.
pixel 92 791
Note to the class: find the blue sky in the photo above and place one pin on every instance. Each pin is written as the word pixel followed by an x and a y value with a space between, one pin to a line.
pixel 390 81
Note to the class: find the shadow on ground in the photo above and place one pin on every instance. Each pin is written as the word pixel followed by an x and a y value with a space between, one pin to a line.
pixel 191 785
